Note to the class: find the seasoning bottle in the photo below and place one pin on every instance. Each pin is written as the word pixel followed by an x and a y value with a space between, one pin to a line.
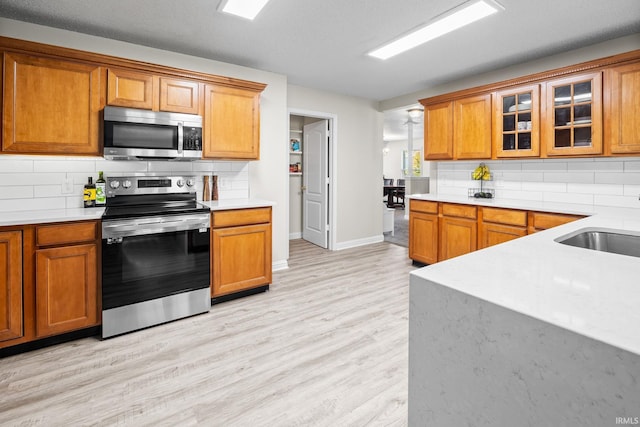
pixel 89 194
pixel 101 190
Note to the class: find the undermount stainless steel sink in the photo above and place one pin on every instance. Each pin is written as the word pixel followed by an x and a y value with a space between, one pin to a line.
pixel 613 241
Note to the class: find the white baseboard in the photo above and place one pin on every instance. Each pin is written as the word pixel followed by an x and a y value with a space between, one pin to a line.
pixel 359 242
pixel 279 265
pixel 293 236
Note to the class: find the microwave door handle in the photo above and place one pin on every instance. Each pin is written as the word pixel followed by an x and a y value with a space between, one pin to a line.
pixel 180 138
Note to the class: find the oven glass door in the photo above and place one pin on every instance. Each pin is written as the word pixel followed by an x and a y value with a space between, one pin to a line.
pixel 140 135
pixel 142 268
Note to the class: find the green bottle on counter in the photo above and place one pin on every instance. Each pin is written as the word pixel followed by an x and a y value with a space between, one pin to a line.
pixel 101 190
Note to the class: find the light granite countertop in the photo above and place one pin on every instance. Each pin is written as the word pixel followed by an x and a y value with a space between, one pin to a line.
pixel 595 294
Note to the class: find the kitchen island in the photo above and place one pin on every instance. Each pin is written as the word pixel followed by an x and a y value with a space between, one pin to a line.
pixel 528 332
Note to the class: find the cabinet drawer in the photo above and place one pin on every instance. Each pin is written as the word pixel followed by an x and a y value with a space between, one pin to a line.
pixel 543 221
pixel 62 234
pixel 423 206
pixel 504 216
pixel 461 211
pixel 235 217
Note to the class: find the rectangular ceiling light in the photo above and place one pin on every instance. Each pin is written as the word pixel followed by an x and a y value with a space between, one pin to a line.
pixel 457 18
pixel 244 8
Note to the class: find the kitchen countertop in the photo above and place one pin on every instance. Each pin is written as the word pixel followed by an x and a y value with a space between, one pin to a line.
pixel 49 215
pixel 595 294
pixel 80 214
pixel 221 205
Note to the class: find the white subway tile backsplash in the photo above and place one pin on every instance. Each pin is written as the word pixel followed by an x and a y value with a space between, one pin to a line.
pixel 596 166
pixel 35 182
pixel 609 181
pixel 619 178
pixel 574 177
pixel 10 164
pixel 32 204
pixel 594 189
pixel 545 165
pixel 632 166
pixel 631 190
pixel 586 199
pixel 87 166
pixel 18 192
pixel 557 187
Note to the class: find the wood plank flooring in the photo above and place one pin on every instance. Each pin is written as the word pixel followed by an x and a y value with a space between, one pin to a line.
pixel 326 346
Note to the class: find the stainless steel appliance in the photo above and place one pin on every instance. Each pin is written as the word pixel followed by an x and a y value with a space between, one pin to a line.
pixel 131 134
pixel 155 253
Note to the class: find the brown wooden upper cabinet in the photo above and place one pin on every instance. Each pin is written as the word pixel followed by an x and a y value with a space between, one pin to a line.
pixel 516 122
pixel 62 97
pixel 472 127
pixel 573 115
pixel 135 89
pixel 622 111
pixel 231 123
pixel 459 129
pixel 438 131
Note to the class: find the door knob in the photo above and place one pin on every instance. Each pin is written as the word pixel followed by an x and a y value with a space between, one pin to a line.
pixel 303 188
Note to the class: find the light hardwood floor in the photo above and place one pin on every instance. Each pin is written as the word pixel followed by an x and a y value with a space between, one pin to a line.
pixel 326 346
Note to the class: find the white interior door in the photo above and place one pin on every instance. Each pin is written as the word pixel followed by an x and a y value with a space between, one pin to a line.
pixel 315 181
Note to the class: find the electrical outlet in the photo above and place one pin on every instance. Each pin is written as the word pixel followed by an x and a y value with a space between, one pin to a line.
pixel 67 185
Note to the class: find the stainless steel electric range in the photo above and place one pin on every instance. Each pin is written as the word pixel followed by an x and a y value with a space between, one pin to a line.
pixel 155 253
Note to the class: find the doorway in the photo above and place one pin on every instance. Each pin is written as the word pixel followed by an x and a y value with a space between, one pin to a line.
pixel 312 213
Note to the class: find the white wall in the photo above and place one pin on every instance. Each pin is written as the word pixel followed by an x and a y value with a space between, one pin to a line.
pixel 263 179
pixel 358 171
pixel 609 181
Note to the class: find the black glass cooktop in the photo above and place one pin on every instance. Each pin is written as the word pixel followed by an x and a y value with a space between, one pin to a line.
pixel 152 205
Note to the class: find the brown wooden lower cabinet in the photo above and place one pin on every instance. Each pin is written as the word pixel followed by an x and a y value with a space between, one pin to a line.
pixel 423 247
pixel 497 225
pixel 439 230
pixel 457 237
pixel 11 313
pixel 240 250
pixel 66 289
pixel 51 285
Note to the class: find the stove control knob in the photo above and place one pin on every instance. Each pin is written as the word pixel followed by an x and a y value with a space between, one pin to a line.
pixel 180 182
pixel 126 184
pixel 114 184
pixel 191 182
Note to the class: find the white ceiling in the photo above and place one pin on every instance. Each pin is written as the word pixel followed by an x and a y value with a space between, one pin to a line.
pixel 322 44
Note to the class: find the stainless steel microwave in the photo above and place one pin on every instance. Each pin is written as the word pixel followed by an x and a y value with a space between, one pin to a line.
pixel 133 134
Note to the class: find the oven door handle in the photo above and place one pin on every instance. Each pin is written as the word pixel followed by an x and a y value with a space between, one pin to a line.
pixel 127 228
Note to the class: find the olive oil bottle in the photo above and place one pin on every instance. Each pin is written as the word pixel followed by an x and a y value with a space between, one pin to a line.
pixel 101 190
pixel 89 194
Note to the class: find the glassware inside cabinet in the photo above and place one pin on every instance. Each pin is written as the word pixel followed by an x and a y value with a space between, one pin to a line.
pixel 517 122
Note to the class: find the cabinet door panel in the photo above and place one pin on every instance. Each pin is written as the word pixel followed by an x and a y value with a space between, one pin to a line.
pixel 457 237
pixel 572 119
pixel 438 131
pixel 231 123
pixel 493 234
pixel 179 96
pixel 240 258
pixel 11 319
pixel 63 98
pixel 66 289
pixel 622 118
pixel 423 241
pixel 130 89
pixel 472 127
pixel 516 122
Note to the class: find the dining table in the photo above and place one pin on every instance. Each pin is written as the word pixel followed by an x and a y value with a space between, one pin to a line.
pixel 392 192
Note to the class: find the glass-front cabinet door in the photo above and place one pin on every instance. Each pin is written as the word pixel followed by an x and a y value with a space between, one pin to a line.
pixel 516 122
pixel 573 116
